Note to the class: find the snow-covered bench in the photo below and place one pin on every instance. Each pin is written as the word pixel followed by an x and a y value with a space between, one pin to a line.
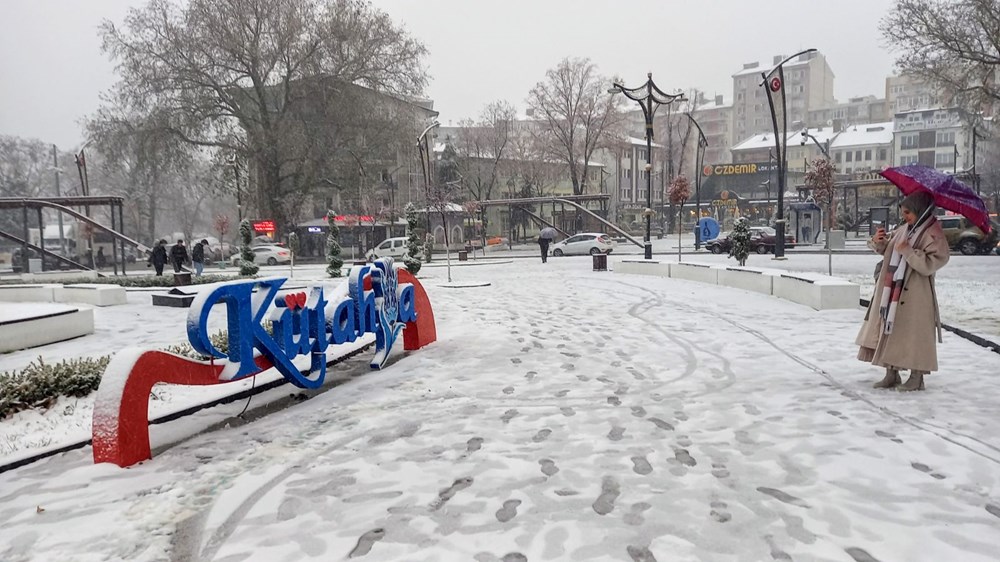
pixel 703 273
pixel 817 291
pixel 810 289
pixel 97 295
pixel 748 278
pixel 644 267
pixel 41 324
pixel 28 293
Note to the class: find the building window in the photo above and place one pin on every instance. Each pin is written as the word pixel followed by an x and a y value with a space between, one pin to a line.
pixel 882 154
pixel 868 154
pixel 857 156
pixel 946 139
pixel 907 160
pixel 626 173
pixel 836 157
pixel 909 141
pixel 944 159
pixel 739 96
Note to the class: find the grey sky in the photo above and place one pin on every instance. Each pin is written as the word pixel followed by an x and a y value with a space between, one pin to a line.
pixel 52 71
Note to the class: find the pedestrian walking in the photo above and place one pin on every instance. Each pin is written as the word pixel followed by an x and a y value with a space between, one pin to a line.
pixel 158 257
pixel 545 237
pixel 179 256
pixel 101 260
pixel 903 323
pixel 198 257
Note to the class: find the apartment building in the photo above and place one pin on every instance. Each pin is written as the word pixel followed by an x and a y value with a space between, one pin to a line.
pixel 856 111
pixel 808 86
pixel 760 148
pixel 863 148
pixel 906 93
pixel 933 137
pixel 716 120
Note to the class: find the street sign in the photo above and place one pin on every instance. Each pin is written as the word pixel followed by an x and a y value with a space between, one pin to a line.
pixel 709 228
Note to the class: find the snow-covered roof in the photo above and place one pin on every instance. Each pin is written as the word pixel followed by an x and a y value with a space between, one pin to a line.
pixel 712 105
pixel 642 141
pixel 766 140
pixel 758 69
pixel 864 135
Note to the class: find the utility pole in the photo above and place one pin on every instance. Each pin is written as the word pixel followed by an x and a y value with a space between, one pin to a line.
pixel 57 171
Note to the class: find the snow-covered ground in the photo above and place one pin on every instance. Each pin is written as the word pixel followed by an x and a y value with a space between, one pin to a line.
pixel 563 414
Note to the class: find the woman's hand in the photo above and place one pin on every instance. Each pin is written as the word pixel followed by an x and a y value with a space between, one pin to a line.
pixel 880 236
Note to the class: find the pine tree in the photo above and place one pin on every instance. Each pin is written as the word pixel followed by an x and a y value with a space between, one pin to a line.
pixel 334 261
pixel 247 267
pixel 413 249
pixel 740 248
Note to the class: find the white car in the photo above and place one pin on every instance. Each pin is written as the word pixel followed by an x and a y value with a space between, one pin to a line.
pixel 270 255
pixel 585 243
pixel 390 247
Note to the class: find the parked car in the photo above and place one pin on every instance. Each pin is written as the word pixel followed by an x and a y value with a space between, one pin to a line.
pixel 270 255
pixel 390 247
pixel 584 243
pixel 966 238
pixel 762 241
pixel 764 238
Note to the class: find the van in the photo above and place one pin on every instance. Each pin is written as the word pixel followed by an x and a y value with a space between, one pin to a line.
pixel 390 247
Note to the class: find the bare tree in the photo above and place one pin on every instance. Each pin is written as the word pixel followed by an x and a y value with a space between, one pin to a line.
pixel 212 68
pixel 139 159
pixel 577 111
pixel 482 147
pixel 954 45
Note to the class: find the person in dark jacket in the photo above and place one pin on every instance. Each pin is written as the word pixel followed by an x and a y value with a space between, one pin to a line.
pixel 198 257
pixel 158 257
pixel 101 260
pixel 179 256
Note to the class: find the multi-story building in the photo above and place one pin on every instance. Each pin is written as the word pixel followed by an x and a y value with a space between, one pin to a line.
pixel 863 148
pixel 933 137
pixel 627 179
pixel 856 111
pixel 716 121
pixel 907 93
pixel 808 86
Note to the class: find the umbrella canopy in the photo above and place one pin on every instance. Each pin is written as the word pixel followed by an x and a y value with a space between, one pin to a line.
pixel 548 232
pixel 948 192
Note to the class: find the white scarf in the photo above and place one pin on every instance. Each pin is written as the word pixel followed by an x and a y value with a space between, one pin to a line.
pixel 892 289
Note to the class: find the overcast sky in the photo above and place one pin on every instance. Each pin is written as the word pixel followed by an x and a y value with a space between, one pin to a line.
pixel 52 71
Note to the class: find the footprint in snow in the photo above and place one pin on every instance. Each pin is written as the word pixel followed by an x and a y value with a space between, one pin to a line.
pixel 508 390
pixel 508 415
pixel 450 491
pixel 638 411
pixel 366 541
pixel 473 444
pixel 634 517
pixel 641 466
pixel 508 511
pixel 610 490
pixel 661 424
pixel 860 554
pixel 567 411
pixel 548 467
pixel 783 497
pixel 542 435
pixel 614 401
pixel 616 433
pixel 640 553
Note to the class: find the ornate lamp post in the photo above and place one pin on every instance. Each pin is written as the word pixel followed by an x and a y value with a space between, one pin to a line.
pixel 650 98
pixel 699 162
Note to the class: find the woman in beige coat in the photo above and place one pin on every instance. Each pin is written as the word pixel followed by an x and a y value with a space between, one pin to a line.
pixel 903 324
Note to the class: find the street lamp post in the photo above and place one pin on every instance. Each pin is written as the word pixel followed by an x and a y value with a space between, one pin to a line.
pixel 423 145
pixel 699 162
pixel 649 98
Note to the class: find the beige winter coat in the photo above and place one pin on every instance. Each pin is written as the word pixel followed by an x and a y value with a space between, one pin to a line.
pixel 913 341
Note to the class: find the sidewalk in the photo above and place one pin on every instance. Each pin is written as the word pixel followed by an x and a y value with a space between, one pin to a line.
pixel 566 414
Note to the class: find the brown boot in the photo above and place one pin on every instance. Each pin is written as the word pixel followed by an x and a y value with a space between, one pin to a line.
pixel 915 382
pixel 891 379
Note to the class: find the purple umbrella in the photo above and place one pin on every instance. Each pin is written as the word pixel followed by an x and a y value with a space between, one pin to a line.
pixel 948 192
